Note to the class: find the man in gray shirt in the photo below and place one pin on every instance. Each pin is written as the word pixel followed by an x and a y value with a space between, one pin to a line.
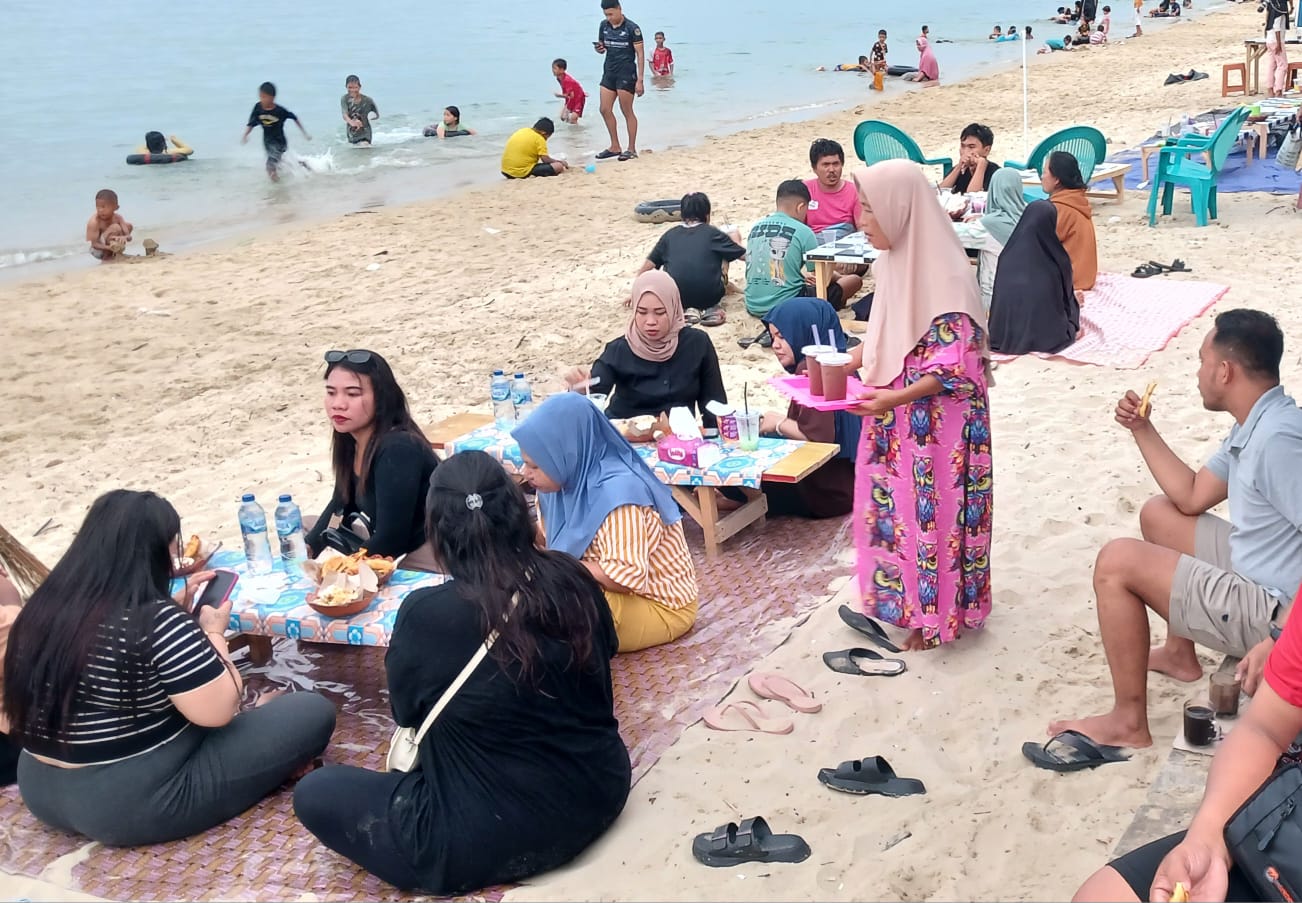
pixel 1225 585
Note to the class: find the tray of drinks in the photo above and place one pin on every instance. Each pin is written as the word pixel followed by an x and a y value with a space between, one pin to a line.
pixel 797 389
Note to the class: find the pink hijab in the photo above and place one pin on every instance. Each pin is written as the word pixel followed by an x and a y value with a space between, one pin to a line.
pixel 927 64
pixel 662 285
pixel 924 275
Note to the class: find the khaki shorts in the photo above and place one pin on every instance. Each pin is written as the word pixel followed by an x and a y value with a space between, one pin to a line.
pixel 1212 605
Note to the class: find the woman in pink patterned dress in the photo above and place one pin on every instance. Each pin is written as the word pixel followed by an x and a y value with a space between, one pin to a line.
pixel 923 480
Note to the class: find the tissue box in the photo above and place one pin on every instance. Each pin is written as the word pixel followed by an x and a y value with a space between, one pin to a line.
pixel 693 452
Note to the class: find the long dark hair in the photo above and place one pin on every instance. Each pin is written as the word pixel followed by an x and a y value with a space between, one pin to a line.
pixel 1066 169
pixel 484 538
pixel 119 563
pixel 391 415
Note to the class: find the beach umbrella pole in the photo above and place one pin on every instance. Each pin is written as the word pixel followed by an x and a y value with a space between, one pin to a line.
pixel 1026 106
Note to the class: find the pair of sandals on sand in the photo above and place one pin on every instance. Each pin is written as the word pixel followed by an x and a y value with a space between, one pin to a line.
pixel 861 662
pixel 1153 268
pixel 608 154
pixel 711 316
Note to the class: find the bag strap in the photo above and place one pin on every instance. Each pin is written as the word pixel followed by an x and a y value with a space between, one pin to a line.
pixel 460 681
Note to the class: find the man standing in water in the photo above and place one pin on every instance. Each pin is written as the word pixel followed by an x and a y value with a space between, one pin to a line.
pixel 620 40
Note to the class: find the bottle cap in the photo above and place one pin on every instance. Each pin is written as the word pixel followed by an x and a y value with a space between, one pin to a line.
pixel 499 373
pixel 247 497
pixel 519 376
pixel 286 497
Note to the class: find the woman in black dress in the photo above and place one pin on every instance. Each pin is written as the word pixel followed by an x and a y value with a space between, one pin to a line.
pixel 1033 306
pixel 524 768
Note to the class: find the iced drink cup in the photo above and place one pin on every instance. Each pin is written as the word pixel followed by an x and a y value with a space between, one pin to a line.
pixel 835 368
pixel 811 353
pixel 748 425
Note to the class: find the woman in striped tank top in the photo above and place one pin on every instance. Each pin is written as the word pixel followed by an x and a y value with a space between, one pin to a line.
pixel 599 502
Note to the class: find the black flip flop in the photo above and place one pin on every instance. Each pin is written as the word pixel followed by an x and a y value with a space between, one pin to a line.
pixel 868 627
pixel 852 661
pixel 758 340
pixel 1175 266
pixel 751 841
pixel 1145 270
pixel 714 316
pixel 628 155
pixel 1077 752
pixel 608 154
pixel 871 775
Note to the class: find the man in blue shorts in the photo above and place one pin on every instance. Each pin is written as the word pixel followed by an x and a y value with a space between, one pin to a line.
pixel 620 40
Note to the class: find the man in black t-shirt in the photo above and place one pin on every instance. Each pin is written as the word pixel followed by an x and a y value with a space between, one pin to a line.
pixel 272 116
pixel 696 255
pixel 974 168
pixel 620 40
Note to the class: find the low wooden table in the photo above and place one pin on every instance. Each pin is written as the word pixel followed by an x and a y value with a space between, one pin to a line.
pixel 1255 49
pixel 855 249
pixel 1105 172
pixel 776 461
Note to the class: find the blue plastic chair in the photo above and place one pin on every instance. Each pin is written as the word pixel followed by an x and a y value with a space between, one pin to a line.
pixel 1174 167
pixel 1083 142
pixel 875 141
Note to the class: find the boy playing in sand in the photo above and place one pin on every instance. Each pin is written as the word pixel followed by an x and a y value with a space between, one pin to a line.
pixel 526 154
pixel 662 60
pixel 358 110
pixel 271 116
pixel 879 52
pixel 571 90
pixel 106 230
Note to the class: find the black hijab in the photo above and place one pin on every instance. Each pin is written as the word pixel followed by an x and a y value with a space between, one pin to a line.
pixel 1033 306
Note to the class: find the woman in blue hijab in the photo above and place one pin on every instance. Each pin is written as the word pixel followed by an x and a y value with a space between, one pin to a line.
pixel 829 491
pixel 598 501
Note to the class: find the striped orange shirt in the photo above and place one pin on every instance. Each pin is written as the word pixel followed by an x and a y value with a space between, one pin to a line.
pixel 638 551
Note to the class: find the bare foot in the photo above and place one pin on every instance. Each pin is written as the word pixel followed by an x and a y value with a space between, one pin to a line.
pixel 723 503
pixel 913 642
pixel 1111 729
pixel 1187 669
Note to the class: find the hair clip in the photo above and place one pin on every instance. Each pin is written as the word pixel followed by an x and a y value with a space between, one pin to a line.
pixel 474 501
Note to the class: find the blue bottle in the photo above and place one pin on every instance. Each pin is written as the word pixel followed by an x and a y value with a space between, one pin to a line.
pixel 289 529
pixel 521 397
pixel 253 527
pixel 500 391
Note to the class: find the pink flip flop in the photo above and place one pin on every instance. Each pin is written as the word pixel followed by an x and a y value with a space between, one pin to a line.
pixel 771 685
pixel 749 712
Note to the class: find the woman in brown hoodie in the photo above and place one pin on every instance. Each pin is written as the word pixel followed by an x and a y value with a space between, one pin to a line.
pixel 1065 186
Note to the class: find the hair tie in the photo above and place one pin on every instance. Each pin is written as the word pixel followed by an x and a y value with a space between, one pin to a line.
pixel 474 501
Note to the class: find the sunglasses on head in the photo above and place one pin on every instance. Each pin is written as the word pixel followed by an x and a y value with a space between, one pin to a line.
pixel 353 357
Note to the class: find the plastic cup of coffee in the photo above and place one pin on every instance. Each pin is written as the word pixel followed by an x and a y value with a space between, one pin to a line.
pixel 748 425
pixel 811 353
pixel 1224 691
pixel 835 367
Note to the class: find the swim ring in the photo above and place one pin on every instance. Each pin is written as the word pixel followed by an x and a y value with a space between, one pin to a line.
pixel 900 70
pixel 433 132
pixel 147 159
pixel 665 211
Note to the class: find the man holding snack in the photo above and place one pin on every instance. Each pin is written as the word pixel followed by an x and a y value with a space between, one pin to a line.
pixel 1226 585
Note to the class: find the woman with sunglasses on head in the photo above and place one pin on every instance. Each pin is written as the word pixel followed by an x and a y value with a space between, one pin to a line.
pixel 523 767
pixel 382 460
pixel 127 706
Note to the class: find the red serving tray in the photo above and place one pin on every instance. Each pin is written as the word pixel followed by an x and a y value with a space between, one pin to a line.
pixel 797 389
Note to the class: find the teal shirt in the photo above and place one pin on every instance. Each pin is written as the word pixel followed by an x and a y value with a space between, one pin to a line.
pixel 1056 44
pixel 775 261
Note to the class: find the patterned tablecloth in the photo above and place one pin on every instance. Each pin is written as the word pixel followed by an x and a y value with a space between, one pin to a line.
pixel 274 605
pixel 737 468
pixel 854 248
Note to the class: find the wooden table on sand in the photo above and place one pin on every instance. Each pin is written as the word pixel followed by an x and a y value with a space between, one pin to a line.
pixel 694 489
pixel 854 248
pixel 1255 49
pixel 1105 172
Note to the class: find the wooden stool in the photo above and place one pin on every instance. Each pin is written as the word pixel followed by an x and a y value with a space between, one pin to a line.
pixel 1242 87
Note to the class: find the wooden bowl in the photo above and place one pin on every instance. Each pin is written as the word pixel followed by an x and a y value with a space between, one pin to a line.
pixel 200 561
pixel 341 611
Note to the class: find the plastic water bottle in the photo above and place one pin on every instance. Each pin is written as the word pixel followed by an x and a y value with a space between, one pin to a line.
pixel 503 409
pixel 521 397
pixel 253 526
pixel 289 528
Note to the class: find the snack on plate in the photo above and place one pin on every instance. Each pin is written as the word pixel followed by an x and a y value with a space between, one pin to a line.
pixel 1146 403
pixel 1179 895
pixel 382 565
pixel 638 429
pixel 339 594
pixel 191 549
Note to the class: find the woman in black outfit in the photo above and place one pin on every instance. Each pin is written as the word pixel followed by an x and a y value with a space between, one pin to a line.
pixel 1033 306
pixel 382 460
pixel 524 768
pixel 660 362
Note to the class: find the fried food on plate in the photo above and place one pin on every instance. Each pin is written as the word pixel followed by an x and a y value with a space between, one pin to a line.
pixel 192 546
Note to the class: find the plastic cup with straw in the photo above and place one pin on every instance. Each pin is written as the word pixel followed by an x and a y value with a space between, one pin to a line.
pixel 811 353
pixel 747 422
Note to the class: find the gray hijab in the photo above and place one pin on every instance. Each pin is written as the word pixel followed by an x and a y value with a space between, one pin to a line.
pixel 1004 204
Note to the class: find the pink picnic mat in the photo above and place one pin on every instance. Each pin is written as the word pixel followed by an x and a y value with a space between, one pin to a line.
pixel 1127 319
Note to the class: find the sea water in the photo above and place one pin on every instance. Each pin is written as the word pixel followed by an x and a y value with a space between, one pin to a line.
pixel 85 82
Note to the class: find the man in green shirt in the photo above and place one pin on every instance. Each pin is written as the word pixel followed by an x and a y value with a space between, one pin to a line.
pixel 775 251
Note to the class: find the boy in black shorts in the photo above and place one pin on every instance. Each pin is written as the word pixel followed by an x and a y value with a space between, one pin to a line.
pixel 620 40
pixel 271 116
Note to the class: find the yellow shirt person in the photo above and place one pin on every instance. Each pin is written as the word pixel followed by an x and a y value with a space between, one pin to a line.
pixel 525 153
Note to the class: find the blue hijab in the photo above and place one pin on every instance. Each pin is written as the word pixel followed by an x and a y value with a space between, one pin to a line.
pixel 598 471
pixel 795 319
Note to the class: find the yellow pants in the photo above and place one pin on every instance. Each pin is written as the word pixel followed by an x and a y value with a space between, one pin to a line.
pixel 642 623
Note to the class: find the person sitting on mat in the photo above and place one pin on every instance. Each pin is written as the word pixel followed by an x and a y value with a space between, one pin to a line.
pixel 1226 585
pixel 1005 203
pixel 127 705
pixel 529 740
pixel 1063 182
pixel 659 362
pixel 696 255
pixel 1033 307
pixel 382 461
pixel 828 491
pixel 526 155
pixel 598 501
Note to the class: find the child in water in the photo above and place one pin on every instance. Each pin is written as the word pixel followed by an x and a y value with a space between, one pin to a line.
pixel 571 90
pixel 272 117
pixel 879 52
pixel 996 34
pixel 450 127
pixel 106 230
pixel 861 66
pixel 662 60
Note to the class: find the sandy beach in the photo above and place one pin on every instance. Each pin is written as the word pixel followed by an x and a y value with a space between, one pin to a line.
pixel 198 376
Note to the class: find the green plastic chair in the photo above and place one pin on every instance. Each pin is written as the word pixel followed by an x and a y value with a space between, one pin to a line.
pixel 1174 166
pixel 875 141
pixel 1083 142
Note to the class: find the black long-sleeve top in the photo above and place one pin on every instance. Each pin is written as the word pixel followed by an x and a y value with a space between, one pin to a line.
pixel 637 387
pixel 394 497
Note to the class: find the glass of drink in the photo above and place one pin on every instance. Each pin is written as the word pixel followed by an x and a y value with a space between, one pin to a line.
pixel 1199 723
pixel 811 353
pixel 835 367
pixel 1224 691
pixel 748 429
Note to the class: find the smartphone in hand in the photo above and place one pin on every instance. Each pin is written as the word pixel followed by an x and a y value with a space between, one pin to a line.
pixel 217 590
